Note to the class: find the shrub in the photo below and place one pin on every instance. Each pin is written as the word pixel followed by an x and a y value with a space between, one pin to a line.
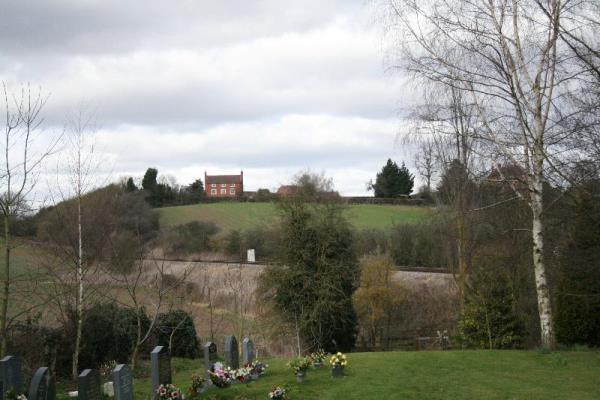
pixel 193 237
pixel 489 319
pixel 233 244
pixel 177 329
pixel 109 333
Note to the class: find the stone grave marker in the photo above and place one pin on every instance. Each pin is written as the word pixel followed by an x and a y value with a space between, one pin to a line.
pixel 210 355
pixel 123 382
pixel 232 352
pixel 88 385
pixel 161 367
pixel 251 256
pixel 248 351
pixel 10 375
pixel 42 385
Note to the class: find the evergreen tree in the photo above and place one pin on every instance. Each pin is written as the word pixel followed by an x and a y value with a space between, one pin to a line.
pixel 149 181
pixel 393 181
pixel 197 186
pixel 489 320
pixel 130 185
pixel 311 285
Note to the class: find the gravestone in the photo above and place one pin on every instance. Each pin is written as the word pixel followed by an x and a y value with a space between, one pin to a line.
pixel 123 382
pixel 210 356
pixel 10 375
pixel 232 353
pixel 248 351
pixel 161 368
pixel 251 256
pixel 88 385
pixel 42 385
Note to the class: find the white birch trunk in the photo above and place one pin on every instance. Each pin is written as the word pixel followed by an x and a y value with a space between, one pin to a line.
pixel 537 231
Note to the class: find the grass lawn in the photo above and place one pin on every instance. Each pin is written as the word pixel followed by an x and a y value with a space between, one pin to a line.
pixel 233 215
pixel 423 375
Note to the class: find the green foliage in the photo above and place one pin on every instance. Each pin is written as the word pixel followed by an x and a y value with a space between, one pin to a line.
pixel 316 273
pixel 109 333
pixel 149 181
pixel 488 319
pixel 193 237
pixel 578 288
pixel 265 195
pixel 233 244
pixel 180 326
pixel 393 181
pixel 130 185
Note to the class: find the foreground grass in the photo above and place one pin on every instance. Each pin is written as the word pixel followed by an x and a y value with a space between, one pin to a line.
pixel 423 375
pixel 232 215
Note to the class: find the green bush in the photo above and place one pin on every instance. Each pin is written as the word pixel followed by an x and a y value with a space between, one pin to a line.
pixel 109 333
pixel 489 320
pixel 181 326
pixel 193 237
pixel 233 244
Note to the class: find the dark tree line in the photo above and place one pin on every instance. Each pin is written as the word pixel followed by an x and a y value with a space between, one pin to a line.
pixel 163 194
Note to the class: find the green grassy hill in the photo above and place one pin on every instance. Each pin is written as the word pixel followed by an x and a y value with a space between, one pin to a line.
pixel 233 215
pixel 446 375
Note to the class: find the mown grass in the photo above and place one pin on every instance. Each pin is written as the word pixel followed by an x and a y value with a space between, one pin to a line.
pixel 423 375
pixel 233 215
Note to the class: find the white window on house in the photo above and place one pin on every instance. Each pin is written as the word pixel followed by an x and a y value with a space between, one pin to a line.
pixel 213 191
pixel 232 191
pixel 213 185
pixel 223 185
pixel 223 191
pixel 232 185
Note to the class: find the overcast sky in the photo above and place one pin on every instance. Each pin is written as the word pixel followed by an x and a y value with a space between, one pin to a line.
pixel 270 87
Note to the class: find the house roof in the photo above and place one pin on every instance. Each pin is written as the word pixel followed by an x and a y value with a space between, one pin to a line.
pixel 223 179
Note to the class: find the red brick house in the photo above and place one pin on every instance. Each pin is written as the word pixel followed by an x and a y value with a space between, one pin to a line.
pixel 224 185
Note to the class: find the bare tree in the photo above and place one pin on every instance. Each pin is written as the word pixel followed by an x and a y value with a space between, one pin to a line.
pixel 82 166
pixel 505 56
pixel 425 162
pixel 18 175
pixel 146 281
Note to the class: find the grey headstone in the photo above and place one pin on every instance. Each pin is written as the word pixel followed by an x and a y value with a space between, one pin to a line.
pixel 210 355
pixel 248 351
pixel 123 382
pixel 161 367
pixel 88 385
pixel 232 353
pixel 42 385
pixel 10 375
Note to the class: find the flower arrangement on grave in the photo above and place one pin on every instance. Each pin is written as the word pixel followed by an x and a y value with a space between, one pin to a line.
pixel 277 393
pixel 317 358
pixel 12 395
pixel 299 365
pixel 168 392
pixel 106 370
pixel 338 360
pixel 257 368
pixel 197 386
pixel 221 377
pixel 242 374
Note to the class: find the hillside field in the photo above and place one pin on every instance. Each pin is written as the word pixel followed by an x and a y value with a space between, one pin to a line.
pixel 448 375
pixel 233 215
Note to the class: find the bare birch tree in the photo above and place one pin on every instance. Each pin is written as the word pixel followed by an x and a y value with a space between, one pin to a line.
pixel 505 56
pixel 148 283
pixel 18 176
